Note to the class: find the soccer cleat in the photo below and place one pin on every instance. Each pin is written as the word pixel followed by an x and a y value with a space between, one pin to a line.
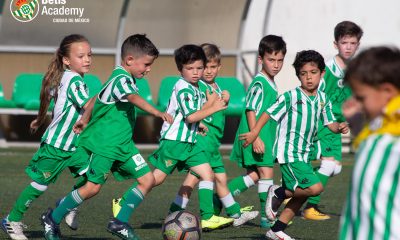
pixel 247 209
pixel 277 235
pixel 265 223
pixel 244 218
pixel 71 218
pixel 215 222
pixel 116 207
pixel 272 204
pixel 51 229
pixel 13 229
pixel 313 213
pixel 121 229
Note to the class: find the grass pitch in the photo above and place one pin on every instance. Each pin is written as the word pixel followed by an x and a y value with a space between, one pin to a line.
pixel 148 218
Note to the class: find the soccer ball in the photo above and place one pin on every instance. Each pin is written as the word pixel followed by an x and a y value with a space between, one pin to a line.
pixel 181 225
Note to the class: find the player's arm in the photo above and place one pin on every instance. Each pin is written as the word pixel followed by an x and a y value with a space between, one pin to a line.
pixel 138 101
pixel 330 121
pixel 258 144
pixel 226 96
pixel 87 114
pixel 214 104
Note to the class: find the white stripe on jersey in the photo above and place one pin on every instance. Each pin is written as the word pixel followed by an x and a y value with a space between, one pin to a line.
pixel 63 109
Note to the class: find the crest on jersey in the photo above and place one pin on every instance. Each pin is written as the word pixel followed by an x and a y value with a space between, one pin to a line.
pixel 322 104
pixel 24 10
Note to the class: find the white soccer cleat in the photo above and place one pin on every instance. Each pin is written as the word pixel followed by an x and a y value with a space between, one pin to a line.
pixel 244 218
pixel 13 229
pixel 277 235
pixel 272 204
pixel 71 219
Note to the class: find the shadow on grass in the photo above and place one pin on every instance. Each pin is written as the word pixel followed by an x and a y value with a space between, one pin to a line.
pixel 151 226
pixel 39 235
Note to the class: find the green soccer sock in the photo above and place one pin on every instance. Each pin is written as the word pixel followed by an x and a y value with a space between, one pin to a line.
pixel 232 208
pixel 127 193
pixel 206 189
pixel 27 196
pixel 324 180
pixel 263 185
pixel 240 184
pixel 133 199
pixel 217 204
pixel 71 201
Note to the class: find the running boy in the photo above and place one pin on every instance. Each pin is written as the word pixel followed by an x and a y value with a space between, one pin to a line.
pixel 178 146
pixel 347 40
pixel 262 93
pixel 210 141
pixel 297 113
pixel 373 206
pixel 107 140
pixel 71 97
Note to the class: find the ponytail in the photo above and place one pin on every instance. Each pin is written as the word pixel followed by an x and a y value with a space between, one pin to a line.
pixel 52 78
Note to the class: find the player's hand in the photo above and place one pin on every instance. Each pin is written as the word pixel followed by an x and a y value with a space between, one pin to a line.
pixel 219 104
pixel 343 127
pixel 203 129
pixel 351 107
pixel 34 126
pixel 165 117
pixel 211 97
pixel 79 126
pixel 226 96
pixel 248 138
pixel 258 146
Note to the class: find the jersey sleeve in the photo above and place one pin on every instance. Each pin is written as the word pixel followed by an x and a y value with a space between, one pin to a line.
pixel 78 92
pixel 186 101
pixel 123 87
pixel 278 110
pixel 327 115
pixel 254 97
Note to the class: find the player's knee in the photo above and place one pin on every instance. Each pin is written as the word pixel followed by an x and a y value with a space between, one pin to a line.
pixel 39 186
pixel 316 189
pixel 327 167
pixel 338 169
pixel 147 181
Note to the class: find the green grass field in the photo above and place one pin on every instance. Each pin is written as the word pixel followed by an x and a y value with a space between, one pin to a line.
pixel 147 220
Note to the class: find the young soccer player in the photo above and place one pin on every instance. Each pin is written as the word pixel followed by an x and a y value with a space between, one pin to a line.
pixel 372 207
pixel 178 146
pixel 347 40
pixel 297 113
pixel 107 140
pixel 262 93
pixel 211 141
pixel 63 82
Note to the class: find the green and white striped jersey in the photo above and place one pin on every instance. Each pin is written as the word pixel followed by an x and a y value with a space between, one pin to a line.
pixel 297 115
pixel 72 96
pixel 110 130
pixel 332 85
pixel 372 209
pixel 216 122
pixel 185 100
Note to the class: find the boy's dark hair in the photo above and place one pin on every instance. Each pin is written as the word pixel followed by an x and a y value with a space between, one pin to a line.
pixel 308 56
pixel 212 52
pixel 375 66
pixel 270 44
pixel 138 45
pixel 188 54
pixel 347 28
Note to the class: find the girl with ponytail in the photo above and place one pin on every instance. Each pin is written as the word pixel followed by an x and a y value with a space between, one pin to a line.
pixel 63 83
